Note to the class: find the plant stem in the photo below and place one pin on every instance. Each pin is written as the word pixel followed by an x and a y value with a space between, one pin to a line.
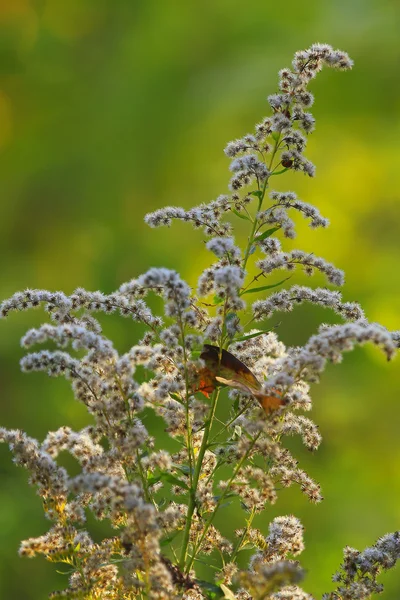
pixel 274 151
pixel 260 201
pixel 187 395
pixel 243 536
pixel 196 476
pixel 229 423
pixel 253 230
pixel 220 500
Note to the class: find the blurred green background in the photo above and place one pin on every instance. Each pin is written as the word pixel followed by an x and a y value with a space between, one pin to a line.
pixel 111 109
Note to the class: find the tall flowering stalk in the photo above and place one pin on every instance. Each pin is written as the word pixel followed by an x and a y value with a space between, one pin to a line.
pixel 163 505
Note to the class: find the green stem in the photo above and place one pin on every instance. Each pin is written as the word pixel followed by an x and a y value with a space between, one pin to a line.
pixel 125 398
pixel 142 474
pixel 260 201
pixel 243 536
pixel 220 501
pixel 78 565
pixel 229 423
pixel 196 476
pixel 187 410
pixel 253 230
pixel 143 479
pixel 274 151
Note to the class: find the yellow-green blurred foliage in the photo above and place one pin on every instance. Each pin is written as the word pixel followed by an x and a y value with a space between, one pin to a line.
pixel 109 109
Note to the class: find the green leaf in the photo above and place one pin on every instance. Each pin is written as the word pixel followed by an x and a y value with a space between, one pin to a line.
pixel 213 591
pixel 264 287
pixel 279 172
pixel 184 468
pixel 230 316
pixel 228 593
pixel 257 193
pixel 153 480
pixel 240 215
pixel 228 495
pixel 176 397
pixel 169 539
pixel 252 249
pixel 275 136
pixel 243 338
pixel 266 234
pixel 174 480
pixel 218 300
pixel 169 478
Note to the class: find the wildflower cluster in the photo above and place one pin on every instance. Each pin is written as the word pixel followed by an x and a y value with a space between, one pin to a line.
pixel 162 504
pixel 358 573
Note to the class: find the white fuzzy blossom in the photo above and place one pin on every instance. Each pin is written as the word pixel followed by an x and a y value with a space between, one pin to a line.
pixel 224 247
pixel 277 213
pixel 309 262
pixel 357 577
pixel 245 169
pixel 286 300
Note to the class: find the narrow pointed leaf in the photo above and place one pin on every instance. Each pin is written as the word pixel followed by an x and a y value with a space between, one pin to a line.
pixel 230 316
pixel 168 477
pixel 279 172
pixel 153 480
pixel 166 541
pixel 229 595
pixel 266 234
pixel 213 591
pixel 264 287
pixel 174 480
pixel 184 468
pixel 176 397
pixel 249 336
pixel 240 215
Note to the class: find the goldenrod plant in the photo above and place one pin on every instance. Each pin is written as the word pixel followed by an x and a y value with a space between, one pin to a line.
pixel 212 345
